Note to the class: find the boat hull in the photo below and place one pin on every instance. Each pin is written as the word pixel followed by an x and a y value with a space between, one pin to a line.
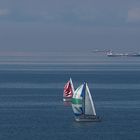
pixel 88 119
pixel 67 99
pixel 110 54
pixel 127 55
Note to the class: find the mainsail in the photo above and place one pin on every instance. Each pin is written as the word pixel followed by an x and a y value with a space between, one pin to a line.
pixel 82 103
pixel 68 89
pixel 89 105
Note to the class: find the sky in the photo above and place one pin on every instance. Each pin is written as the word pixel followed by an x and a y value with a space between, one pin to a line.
pixel 69 25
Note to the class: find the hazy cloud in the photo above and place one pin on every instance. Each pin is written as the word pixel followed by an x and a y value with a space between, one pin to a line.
pixel 93 12
pixel 134 15
pixel 75 12
pixel 4 12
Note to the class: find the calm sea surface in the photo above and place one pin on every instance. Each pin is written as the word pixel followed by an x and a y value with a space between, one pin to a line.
pixel 31 106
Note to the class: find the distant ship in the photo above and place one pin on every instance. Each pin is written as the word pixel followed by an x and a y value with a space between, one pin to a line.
pixel 114 54
pixel 110 54
pixel 134 55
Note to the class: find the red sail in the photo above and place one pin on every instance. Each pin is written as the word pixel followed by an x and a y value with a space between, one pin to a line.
pixel 68 90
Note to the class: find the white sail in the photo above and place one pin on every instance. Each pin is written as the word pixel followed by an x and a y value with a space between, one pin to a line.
pixel 82 102
pixel 72 85
pixel 78 91
pixel 77 104
pixel 89 105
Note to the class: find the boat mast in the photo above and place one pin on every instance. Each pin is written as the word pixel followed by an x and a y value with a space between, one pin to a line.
pixel 84 90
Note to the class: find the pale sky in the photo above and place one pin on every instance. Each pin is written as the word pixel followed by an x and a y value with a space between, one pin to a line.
pixel 69 25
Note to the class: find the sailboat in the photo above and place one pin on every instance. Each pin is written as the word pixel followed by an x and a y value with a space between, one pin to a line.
pixel 68 91
pixel 83 106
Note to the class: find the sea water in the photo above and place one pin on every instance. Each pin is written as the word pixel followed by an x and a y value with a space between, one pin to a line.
pixel 32 108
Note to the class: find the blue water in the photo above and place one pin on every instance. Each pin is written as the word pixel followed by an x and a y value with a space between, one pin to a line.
pixel 31 106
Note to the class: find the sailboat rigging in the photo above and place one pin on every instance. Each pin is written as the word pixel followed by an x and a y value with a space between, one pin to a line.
pixel 83 106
